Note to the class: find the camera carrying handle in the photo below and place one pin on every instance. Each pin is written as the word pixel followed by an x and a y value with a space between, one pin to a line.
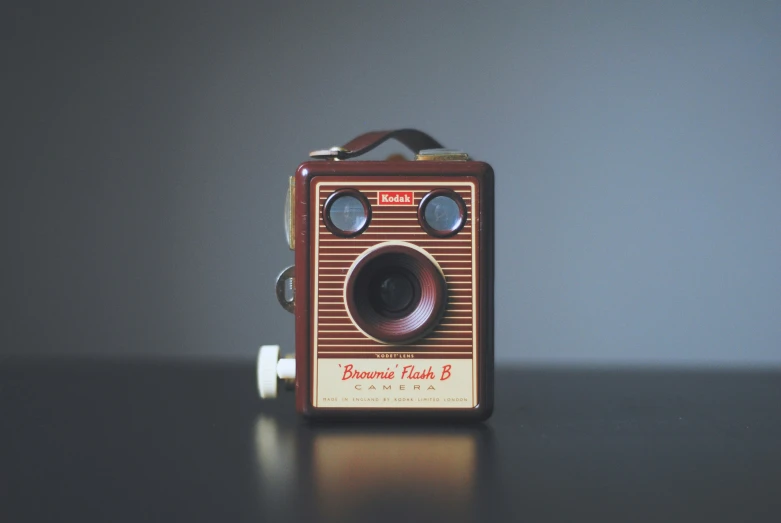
pixel 413 139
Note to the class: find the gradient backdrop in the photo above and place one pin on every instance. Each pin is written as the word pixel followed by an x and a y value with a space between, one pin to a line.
pixel 637 147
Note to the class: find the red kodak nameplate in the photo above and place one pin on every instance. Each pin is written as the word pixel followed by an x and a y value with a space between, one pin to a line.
pixel 395 197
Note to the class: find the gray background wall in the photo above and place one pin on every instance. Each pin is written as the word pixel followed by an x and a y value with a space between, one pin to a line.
pixel 637 147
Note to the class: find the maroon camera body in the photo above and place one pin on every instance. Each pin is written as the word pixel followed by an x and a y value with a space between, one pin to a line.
pixel 393 282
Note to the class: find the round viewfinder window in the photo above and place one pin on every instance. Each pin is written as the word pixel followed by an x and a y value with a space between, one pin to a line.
pixel 442 213
pixel 347 212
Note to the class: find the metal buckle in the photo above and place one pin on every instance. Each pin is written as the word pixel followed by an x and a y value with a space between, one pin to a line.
pixel 334 153
pixel 442 155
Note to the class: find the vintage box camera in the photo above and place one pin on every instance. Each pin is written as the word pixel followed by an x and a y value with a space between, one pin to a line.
pixel 392 287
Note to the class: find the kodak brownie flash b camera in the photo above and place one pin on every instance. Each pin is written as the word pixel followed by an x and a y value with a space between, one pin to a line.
pixel 392 287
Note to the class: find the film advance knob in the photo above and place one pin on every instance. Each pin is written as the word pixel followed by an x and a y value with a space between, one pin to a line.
pixel 268 357
pixel 271 368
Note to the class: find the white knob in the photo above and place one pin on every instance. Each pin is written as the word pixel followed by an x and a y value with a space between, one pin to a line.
pixel 268 356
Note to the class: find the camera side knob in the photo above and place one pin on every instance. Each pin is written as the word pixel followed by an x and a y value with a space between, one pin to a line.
pixel 270 369
pixel 268 357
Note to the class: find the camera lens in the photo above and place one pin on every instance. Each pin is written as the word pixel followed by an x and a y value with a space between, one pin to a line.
pixel 347 212
pixel 391 292
pixel 442 213
pixel 395 292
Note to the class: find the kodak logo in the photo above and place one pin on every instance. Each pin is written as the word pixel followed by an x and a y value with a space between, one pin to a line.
pixel 395 198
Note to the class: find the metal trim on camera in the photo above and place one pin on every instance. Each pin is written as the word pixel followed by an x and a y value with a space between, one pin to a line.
pixel 286 289
pixel 442 213
pixel 361 219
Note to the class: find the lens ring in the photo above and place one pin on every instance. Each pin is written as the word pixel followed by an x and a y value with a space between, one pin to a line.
pixel 453 213
pixel 419 317
pixel 354 213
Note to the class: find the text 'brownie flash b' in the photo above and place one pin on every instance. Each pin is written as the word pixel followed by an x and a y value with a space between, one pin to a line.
pixel 392 287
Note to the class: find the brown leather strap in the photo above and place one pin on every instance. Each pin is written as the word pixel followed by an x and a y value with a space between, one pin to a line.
pixel 411 138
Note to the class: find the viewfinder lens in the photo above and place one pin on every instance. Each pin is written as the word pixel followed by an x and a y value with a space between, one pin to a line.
pixel 442 213
pixel 347 212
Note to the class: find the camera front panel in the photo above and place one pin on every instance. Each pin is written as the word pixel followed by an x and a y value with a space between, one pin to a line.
pixel 396 304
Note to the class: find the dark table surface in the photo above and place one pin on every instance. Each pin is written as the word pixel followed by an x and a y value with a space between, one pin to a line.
pixel 134 441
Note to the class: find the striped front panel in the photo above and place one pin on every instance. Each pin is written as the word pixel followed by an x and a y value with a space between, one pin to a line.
pixel 335 334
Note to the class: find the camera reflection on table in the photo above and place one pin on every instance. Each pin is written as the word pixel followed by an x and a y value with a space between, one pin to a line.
pixel 349 471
